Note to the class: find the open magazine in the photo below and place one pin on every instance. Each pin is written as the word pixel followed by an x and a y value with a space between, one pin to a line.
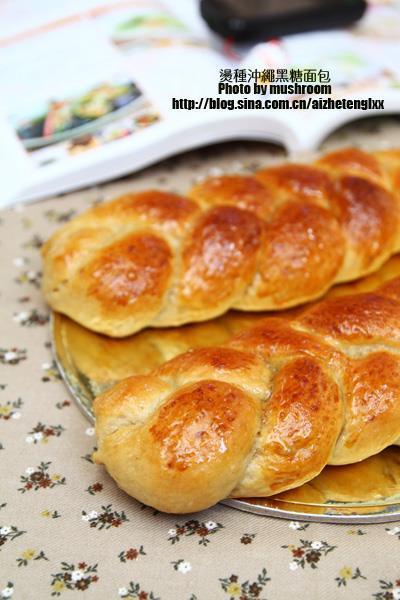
pixel 87 88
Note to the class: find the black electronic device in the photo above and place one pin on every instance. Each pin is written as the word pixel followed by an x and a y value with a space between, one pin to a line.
pixel 246 20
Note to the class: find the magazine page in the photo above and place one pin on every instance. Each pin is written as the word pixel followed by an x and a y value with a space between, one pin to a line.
pixel 361 62
pixel 121 62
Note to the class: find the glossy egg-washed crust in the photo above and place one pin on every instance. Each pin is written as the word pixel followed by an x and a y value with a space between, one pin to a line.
pixel 263 242
pixel 263 413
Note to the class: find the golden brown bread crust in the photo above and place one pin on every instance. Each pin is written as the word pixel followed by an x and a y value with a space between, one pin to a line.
pixel 263 413
pixel 267 242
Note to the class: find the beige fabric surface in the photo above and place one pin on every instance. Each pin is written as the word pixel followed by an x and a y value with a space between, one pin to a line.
pixel 67 531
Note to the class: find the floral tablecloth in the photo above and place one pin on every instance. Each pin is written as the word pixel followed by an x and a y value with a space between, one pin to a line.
pixel 67 531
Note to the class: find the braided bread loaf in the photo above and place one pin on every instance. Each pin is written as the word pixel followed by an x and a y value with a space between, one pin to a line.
pixel 266 242
pixel 263 413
